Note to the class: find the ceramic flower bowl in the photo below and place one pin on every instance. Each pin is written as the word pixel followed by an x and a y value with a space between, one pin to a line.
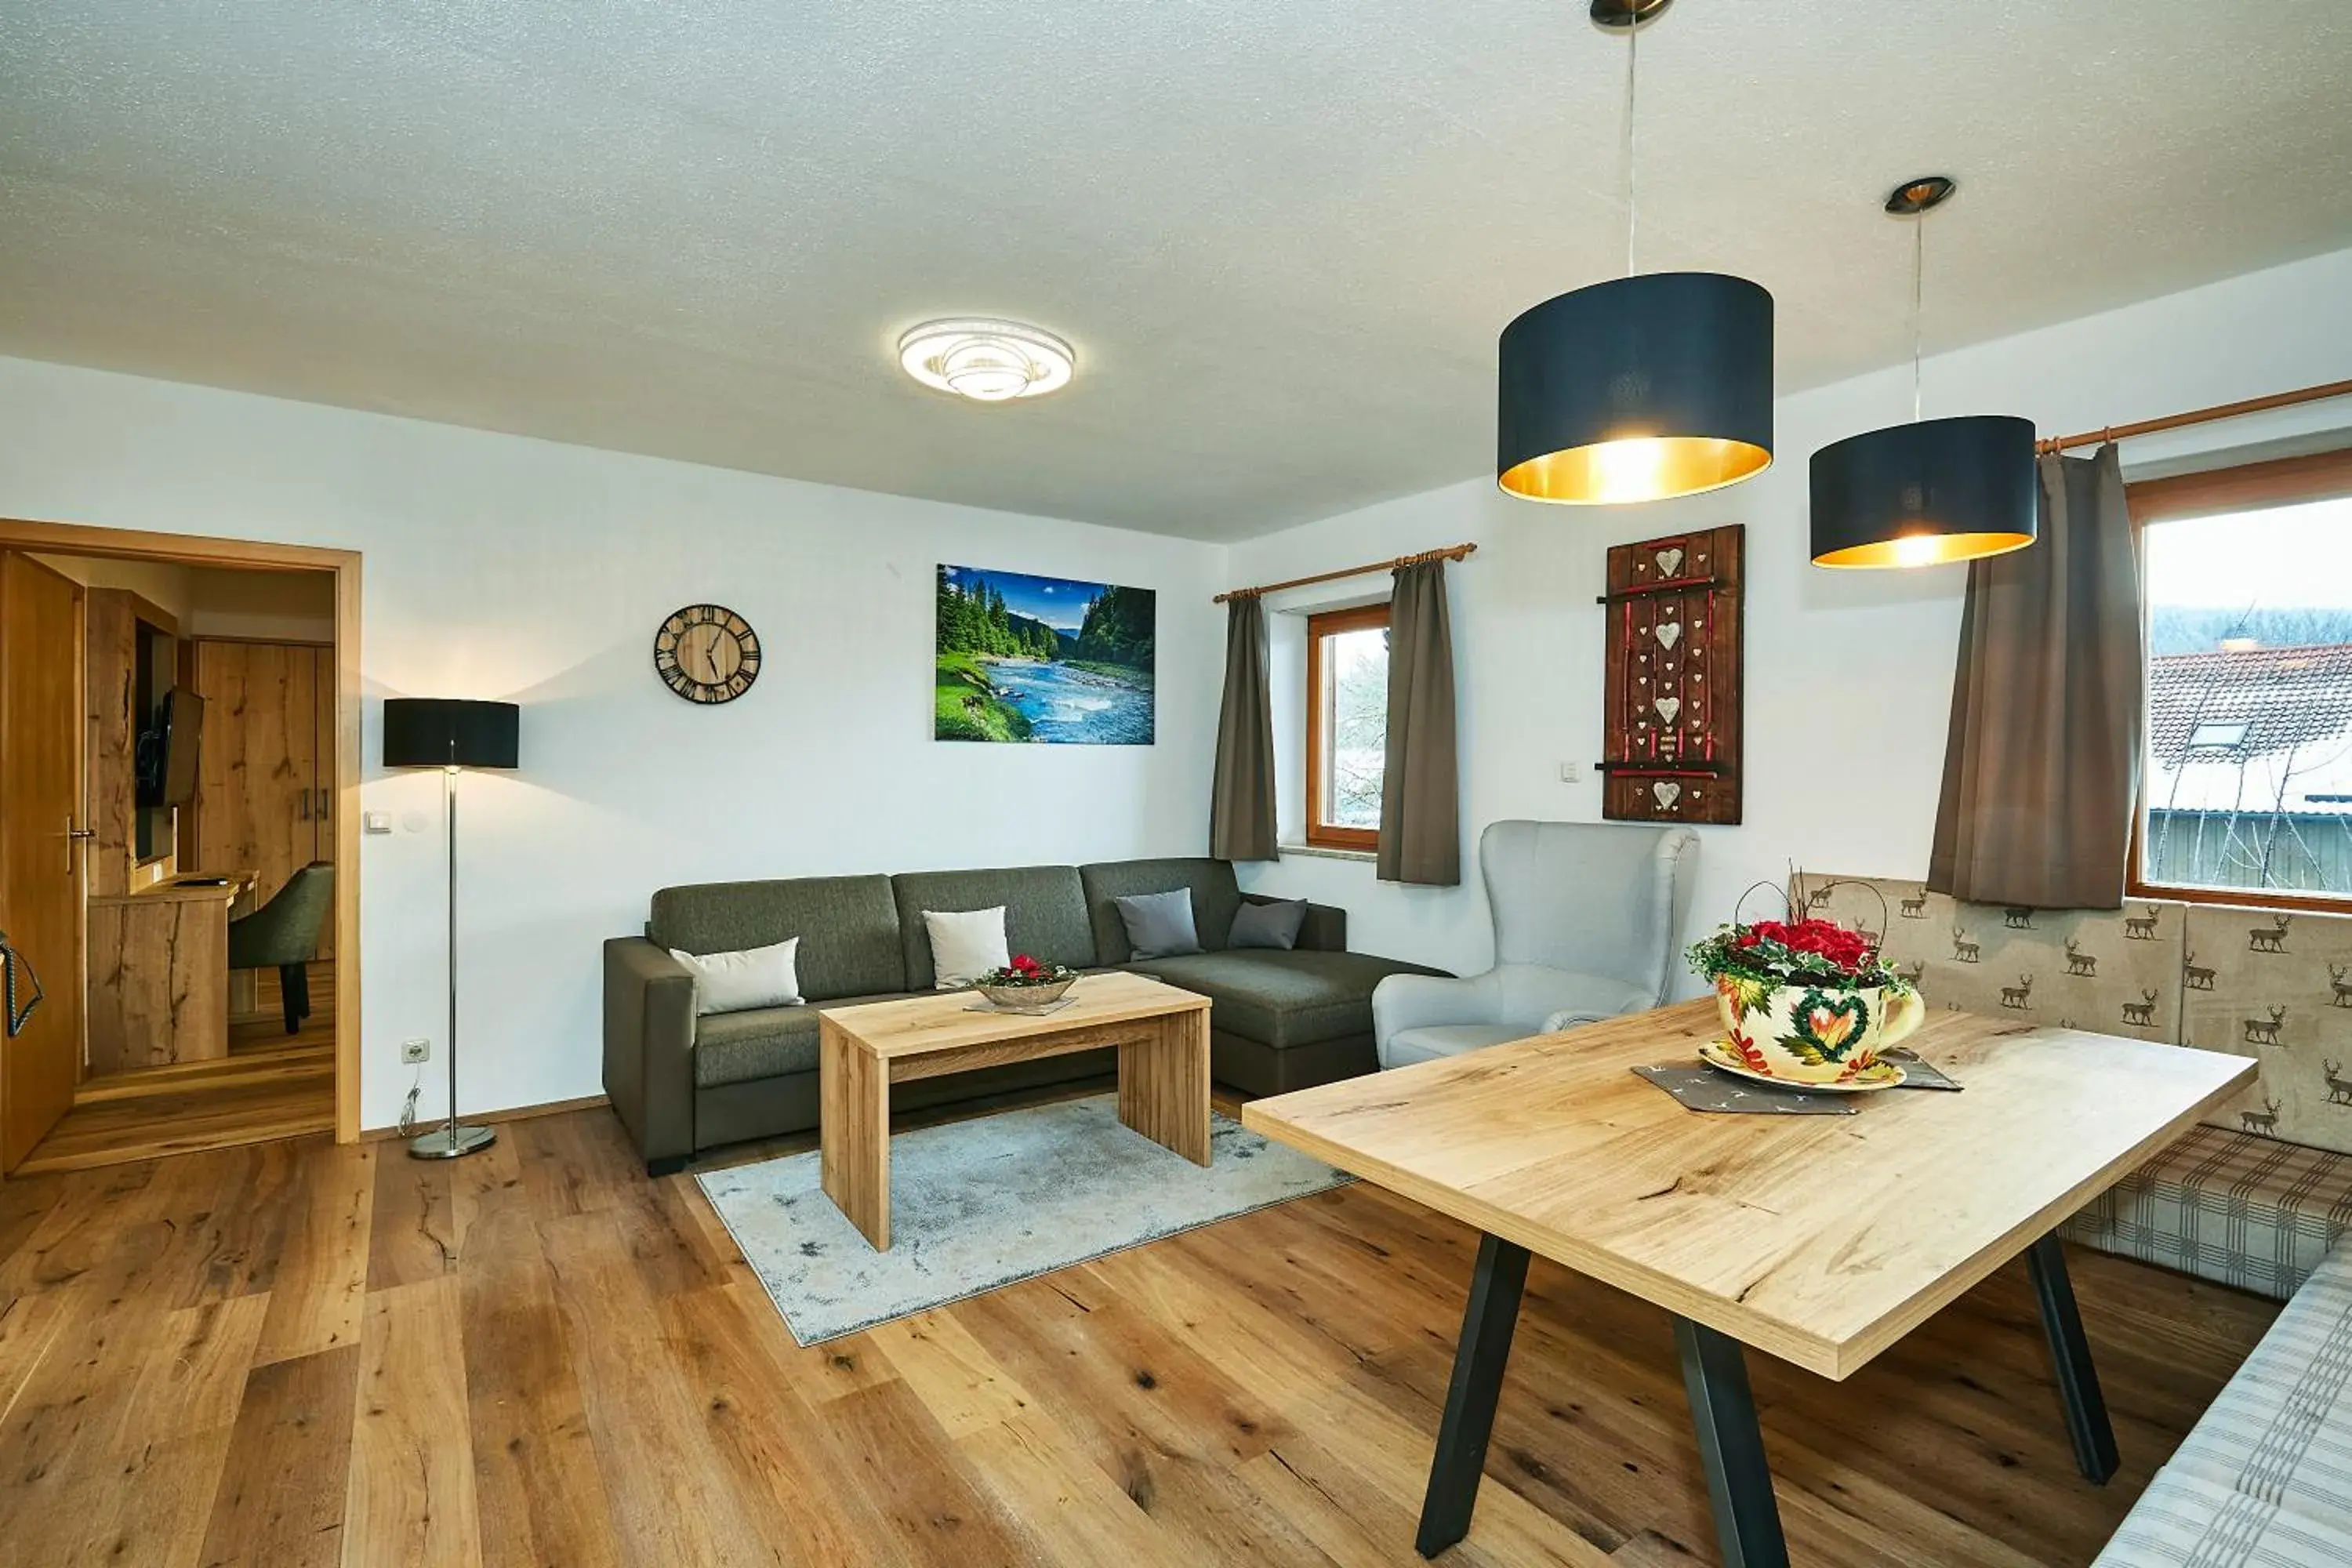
pixel 1044 995
pixel 1814 1034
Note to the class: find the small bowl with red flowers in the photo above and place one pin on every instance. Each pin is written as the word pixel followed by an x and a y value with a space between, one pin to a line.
pixel 1026 985
pixel 1809 1002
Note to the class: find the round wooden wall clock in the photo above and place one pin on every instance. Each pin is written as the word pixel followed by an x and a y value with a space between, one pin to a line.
pixel 707 652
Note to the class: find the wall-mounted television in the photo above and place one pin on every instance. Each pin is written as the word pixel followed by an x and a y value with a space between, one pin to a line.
pixel 167 752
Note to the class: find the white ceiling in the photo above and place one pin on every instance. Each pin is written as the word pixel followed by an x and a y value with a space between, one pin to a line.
pixel 1283 234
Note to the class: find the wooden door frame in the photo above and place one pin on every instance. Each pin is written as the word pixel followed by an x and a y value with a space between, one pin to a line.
pixel 247 555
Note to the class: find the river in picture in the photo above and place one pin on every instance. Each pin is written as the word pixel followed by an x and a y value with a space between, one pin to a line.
pixel 1075 704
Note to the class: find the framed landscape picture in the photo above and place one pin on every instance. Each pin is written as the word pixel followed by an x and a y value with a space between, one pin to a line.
pixel 1045 661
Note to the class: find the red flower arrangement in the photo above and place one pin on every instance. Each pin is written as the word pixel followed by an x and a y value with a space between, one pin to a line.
pixel 1843 949
pixel 1026 971
pixel 1775 952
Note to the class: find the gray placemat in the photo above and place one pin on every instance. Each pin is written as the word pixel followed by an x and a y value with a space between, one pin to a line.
pixel 1918 1072
pixel 1704 1089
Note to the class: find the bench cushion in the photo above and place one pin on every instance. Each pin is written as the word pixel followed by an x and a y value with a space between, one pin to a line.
pixel 1044 913
pixel 2227 1206
pixel 2266 1476
pixel 848 928
pixel 1283 999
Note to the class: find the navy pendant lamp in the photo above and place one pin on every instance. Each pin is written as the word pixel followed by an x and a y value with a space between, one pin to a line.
pixel 1647 387
pixel 1934 490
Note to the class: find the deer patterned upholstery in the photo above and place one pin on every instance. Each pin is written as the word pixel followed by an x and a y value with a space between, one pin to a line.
pixel 2258 1197
pixel 2275 987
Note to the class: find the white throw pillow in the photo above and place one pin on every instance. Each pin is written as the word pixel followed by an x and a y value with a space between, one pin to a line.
pixel 965 945
pixel 736 982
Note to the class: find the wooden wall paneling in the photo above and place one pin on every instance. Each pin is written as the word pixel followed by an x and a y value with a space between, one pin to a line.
pixel 259 766
pixel 111 637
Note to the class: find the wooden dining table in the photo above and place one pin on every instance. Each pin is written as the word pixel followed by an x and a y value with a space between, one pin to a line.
pixel 1820 1239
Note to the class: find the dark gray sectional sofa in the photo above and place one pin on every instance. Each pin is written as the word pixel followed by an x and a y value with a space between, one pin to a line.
pixel 1281 1020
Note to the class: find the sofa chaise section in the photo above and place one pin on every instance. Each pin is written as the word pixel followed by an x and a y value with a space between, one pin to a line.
pixel 1281 1019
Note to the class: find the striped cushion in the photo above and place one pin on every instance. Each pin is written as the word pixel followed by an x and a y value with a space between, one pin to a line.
pixel 2266 1476
pixel 2227 1206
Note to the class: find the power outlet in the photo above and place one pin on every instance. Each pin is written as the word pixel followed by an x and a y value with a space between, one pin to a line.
pixel 413 1051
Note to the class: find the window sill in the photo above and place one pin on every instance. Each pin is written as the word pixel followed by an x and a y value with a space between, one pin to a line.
pixel 1321 853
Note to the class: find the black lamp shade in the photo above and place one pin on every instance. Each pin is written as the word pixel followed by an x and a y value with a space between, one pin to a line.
pixel 445 732
pixel 1650 386
pixel 1926 492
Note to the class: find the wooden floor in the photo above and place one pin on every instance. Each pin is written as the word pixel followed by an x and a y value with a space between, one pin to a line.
pixel 298 1354
pixel 271 1085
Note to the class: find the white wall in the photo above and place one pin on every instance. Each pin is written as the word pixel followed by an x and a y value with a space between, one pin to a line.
pixel 1849 674
pixel 501 567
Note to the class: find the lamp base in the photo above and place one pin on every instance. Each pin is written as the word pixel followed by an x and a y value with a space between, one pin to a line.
pixel 449 1143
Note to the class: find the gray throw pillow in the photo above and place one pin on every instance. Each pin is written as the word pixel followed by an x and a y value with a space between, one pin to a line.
pixel 1160 925
pixel 1269 925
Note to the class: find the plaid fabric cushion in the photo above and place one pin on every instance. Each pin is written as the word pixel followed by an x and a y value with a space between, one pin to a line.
pixel 2264 1477
pixel 2227 1206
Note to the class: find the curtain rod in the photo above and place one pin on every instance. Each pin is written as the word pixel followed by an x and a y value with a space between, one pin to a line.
pixel 1451 553
pixel 2195 417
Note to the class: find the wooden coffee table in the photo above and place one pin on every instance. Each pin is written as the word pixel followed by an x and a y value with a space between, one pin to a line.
pixel 1161 1033
pixel 1820 1239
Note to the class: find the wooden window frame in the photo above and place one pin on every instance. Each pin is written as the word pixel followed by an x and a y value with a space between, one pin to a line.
pixel 2213 492
pixel 1321 835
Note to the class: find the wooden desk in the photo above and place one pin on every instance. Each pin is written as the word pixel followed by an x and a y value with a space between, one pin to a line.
pixel 159 974
pixel 1820 1239
pixel 1161 1033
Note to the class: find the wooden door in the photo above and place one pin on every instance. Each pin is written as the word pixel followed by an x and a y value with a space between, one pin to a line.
pixel 40 860
pixel 322 776
pixel 256 801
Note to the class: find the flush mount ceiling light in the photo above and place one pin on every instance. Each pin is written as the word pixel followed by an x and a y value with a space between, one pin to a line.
pixel 988 362
pixel 1641 388
pixel 1935 489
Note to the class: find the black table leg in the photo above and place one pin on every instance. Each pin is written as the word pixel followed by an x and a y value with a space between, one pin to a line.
pixel 1478 1358
pixel 2070 1354
pixel 1730 1449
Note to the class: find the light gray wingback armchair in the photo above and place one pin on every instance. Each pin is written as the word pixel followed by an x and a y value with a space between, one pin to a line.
pixel 1588 919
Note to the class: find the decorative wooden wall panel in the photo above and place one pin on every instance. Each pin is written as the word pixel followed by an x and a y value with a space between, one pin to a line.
pixel 1672 750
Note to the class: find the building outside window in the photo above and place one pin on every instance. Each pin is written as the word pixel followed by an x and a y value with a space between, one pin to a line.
pixel 2247 782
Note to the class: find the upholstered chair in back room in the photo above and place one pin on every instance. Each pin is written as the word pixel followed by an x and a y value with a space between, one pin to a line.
pixel 283 934
pixel 1587 924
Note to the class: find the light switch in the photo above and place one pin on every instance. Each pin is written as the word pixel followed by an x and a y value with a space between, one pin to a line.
pixel 375 822
pixel 1570 773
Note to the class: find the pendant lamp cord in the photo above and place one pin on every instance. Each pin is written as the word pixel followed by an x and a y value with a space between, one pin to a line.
pixel 1919 269
pixel 1632 61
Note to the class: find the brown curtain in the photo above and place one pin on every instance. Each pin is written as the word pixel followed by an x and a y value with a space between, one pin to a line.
pixel 2042 769
pixel 1241 801
pixel 1421 831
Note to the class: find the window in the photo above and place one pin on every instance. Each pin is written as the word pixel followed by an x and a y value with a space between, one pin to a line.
pixel 1346 726
pixel 2247 781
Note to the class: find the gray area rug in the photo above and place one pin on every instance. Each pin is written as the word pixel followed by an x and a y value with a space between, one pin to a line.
pixel 980 1204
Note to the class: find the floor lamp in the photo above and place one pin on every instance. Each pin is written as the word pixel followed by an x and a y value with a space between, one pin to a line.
pixel 449 734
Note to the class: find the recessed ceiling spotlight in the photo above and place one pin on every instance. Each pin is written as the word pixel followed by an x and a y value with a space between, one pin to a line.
pixel 988 361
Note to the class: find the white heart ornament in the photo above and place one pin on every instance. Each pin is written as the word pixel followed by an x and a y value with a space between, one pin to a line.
pixel 1670 634
pixel 1666 792
pixel 1668 707
pixel 1670 562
